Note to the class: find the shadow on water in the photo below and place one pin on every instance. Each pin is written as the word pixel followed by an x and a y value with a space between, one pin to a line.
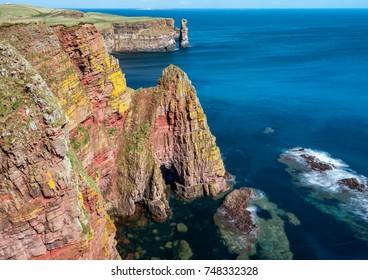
pixel 144 238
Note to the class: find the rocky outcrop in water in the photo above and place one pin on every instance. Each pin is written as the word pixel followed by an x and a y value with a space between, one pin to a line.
pixel 330 185
pixel 327 171
pixel 76 143
pixel 184 37
pixel 251 225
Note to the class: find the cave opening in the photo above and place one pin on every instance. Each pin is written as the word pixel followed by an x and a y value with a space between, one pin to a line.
pixel 171 176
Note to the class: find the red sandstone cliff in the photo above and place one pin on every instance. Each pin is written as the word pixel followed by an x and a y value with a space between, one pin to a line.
pixel 49 207
pixel 76 142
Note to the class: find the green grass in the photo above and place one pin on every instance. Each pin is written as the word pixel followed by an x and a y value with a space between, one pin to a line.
pixel 138 137
pixel 112 131
pixel 82 137
pixel 76 163
pixel 10 14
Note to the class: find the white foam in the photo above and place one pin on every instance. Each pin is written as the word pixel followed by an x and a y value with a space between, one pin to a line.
pixel 295 155
pixel 253 212
pixel 328 179
pixel 325 158
pixel 360 206
pixel 257 194
pixel 252 209
pixel 352 202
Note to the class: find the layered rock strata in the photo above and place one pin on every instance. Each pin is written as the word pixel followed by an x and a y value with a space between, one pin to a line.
pixel 167 139
pixel 49 207
pixel 144 36
pixel 90 87
pixel 76 143
pixel 91 90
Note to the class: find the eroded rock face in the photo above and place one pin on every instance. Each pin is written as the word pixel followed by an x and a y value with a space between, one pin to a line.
pixel 48 208
pixel 97 139
pixel 90 87
pixel 182 142
pixel 184 37
pixel 251 225
pixel 40 47
pixel 145 36
pixel 167 139
pixel 73 131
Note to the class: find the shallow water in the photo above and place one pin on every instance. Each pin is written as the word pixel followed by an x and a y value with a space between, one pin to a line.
pixel 301 72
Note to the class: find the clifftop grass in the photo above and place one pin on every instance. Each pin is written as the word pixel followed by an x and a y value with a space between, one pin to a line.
pixel 10 14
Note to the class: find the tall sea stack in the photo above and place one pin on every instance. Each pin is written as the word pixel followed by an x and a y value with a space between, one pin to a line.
pixel 184 39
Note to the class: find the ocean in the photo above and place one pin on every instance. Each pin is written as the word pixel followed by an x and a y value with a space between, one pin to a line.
pixel 303 74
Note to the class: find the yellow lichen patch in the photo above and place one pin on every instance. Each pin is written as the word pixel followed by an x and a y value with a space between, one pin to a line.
pixel 200 115
pixel 51 180
pixel 108 61
pixel 110 227
pixel 28 212
pixel 122 108
pixel 119 88
pixel 118 81
pixel 80 198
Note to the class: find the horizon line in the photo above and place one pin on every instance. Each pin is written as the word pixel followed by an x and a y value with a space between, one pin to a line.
pixel 268 8
pixel 200 8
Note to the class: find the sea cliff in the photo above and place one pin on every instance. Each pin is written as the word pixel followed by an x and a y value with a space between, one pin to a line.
pixel 77 144
pixel 145 36
pixel 121 34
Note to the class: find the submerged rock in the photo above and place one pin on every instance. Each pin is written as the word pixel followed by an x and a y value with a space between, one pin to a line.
pixel 182 250
pixel 293 219
pixel 245 232
pixel 168 245
pixel 268 130
pixel 181 228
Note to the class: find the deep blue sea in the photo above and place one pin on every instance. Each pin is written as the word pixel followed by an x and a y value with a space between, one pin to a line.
pixel 302 72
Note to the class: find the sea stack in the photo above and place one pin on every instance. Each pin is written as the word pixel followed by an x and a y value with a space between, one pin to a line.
pixel 184 39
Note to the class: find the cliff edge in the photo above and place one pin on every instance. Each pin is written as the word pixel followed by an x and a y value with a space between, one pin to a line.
pixel 120 33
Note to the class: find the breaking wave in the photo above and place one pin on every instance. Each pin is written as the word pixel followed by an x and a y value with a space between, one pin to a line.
pixel 330 185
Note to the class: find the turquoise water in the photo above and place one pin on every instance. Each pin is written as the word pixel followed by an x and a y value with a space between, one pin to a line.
pixel 301 72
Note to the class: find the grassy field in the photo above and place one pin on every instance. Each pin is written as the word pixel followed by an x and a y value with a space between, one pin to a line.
pixel 25 14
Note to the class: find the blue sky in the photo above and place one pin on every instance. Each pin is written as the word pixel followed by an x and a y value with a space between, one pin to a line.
pixel 167 4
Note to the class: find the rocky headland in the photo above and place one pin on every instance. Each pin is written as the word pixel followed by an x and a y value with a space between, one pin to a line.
pixel 120 34
pixel 145 36
pixel 80 149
